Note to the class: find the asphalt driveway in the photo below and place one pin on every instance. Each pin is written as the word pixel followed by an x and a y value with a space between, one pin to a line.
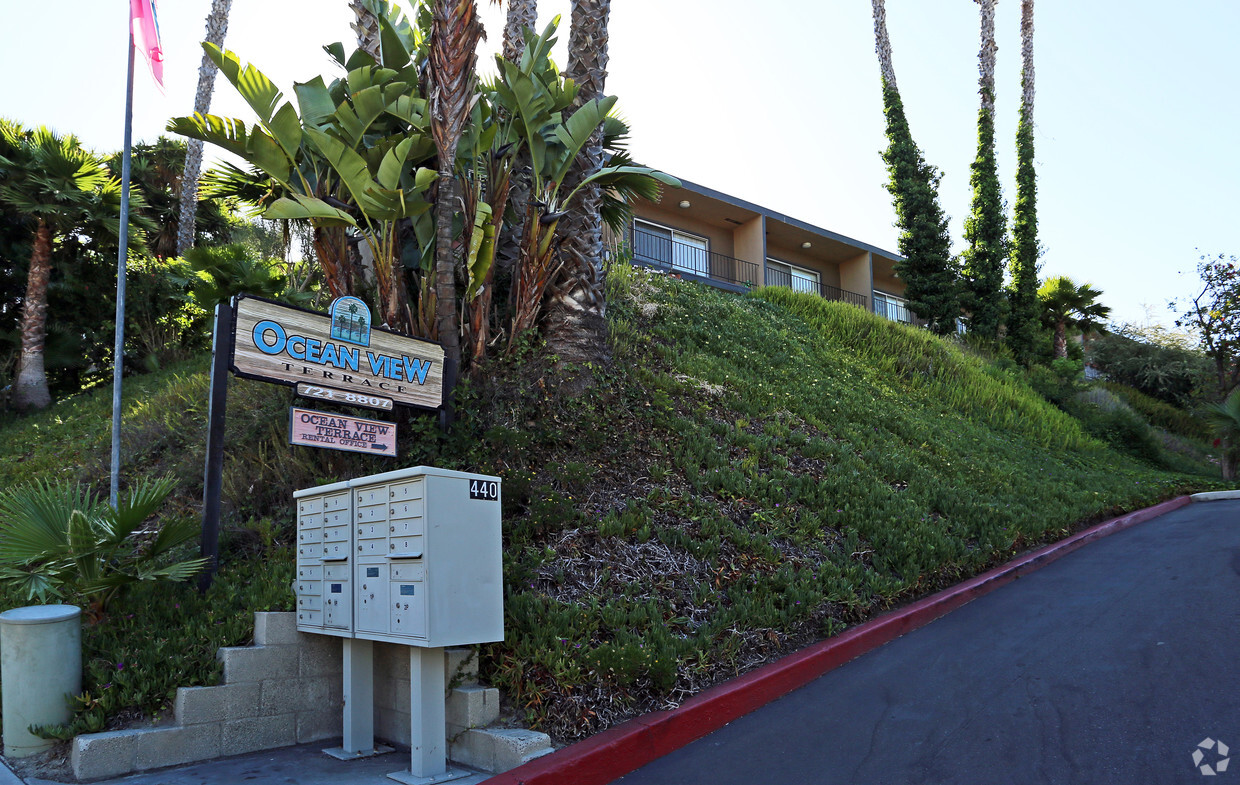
pixel 1111 665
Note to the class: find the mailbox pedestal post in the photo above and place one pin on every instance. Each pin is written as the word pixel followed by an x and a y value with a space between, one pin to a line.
pixel 359 696
pixel 428 761
pixel 359 702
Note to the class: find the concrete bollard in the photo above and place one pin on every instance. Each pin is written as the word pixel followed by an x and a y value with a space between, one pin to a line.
pixel 40 665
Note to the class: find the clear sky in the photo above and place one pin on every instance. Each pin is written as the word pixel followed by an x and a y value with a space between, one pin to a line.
pixel 779 103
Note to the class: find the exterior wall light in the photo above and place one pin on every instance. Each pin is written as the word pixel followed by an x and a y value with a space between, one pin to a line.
pixel 806 244
pixel 684 203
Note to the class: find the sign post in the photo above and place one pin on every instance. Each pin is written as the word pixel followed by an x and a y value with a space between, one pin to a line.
pixel 213 476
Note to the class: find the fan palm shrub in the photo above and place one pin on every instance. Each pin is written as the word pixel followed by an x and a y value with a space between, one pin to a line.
pixel 61 541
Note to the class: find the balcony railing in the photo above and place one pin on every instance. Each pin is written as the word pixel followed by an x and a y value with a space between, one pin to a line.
pixel 664 253
pixel 777 277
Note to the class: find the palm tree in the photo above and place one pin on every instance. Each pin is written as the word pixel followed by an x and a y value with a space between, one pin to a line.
pixel 1023 294
pixel 576 326
pixel 1225 417
pixel 217 27
pixel 455 31
pixel 986 228
pixel 1065 304
pixel 928 268
pixel 57 186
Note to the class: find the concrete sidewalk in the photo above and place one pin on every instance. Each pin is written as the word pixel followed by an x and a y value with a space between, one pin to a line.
pixel 1110 665
pixel 304 764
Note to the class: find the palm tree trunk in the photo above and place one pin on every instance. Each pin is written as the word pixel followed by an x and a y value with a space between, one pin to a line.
pixel 1026 56
pixel 455 32
pixel 217 27
pixel 576 326
pixel 331 248
pixel 1061 340
pixel 367 28
pixel 986 58
pixel 882 44
pixel 1227 459
pixel 522 14
pixel 446 330
pixel 30 388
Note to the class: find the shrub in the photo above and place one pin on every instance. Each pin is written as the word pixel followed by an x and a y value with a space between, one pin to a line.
pixel 1173 375
pixel 1162 414
pixel 59 540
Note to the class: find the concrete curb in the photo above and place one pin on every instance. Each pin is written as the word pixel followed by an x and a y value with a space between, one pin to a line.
pixel 1215 496
pixel 617 751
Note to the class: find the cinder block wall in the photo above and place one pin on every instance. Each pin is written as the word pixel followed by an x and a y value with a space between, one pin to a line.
pixel 288 689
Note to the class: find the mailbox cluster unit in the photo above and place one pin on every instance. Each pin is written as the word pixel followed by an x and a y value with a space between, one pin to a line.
pixel 411 556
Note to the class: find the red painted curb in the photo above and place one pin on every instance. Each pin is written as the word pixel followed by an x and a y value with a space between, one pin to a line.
pixel 624 748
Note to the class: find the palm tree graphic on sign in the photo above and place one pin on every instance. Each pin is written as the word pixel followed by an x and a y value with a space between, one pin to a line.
pixel 352 326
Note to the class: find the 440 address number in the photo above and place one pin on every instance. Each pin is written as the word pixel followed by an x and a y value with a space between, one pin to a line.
pixel 344 397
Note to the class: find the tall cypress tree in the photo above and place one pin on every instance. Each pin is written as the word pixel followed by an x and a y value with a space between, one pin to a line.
pixel 928 270
pixel 985 229
pixel 1023 294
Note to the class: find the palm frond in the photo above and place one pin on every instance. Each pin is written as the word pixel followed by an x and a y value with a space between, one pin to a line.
pixel 173 533
pixel 34 519
pixel 140 504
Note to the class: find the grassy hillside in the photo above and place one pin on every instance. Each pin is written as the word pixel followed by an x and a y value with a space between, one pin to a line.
pixel 750 474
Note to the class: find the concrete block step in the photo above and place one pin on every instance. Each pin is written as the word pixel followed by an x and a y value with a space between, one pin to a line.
pixel 472 706
pixel 499 749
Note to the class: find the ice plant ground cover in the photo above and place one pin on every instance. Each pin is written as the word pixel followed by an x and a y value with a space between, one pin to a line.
pixel 750 474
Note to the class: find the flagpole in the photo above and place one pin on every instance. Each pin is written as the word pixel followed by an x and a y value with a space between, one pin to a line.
pixel 118 353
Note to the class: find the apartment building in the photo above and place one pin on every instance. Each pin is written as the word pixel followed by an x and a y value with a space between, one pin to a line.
pixel 711 237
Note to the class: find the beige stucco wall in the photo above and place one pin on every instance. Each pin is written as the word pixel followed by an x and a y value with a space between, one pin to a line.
pixel 856 275
pixel 750 240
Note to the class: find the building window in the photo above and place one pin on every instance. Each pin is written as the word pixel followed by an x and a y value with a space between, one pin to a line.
pixel 892 307
pixel 667 247
pixel 795 278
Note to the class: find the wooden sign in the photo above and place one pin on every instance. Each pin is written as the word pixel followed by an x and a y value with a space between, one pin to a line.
pixel 279 343
pixel 309 428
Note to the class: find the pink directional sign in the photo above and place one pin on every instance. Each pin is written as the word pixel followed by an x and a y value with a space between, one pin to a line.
pixel 308 428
